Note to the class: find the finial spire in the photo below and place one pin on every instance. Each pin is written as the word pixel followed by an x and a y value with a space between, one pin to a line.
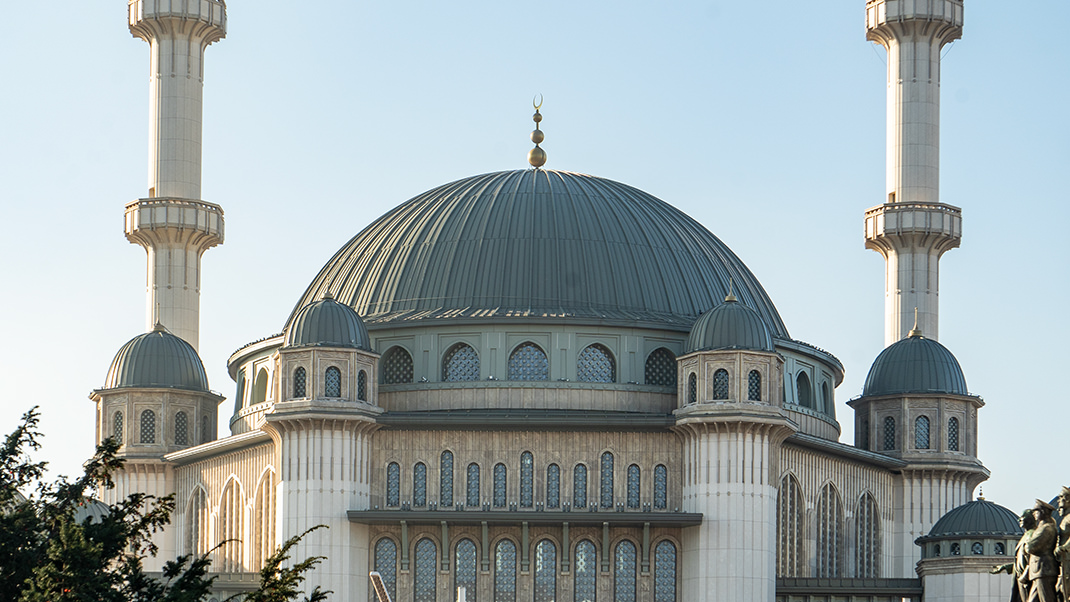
pixel 537 156
pixel 915 332
pixel 730 298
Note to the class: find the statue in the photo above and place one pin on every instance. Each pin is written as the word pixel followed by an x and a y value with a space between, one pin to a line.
pixel 1042 571
pixel 1062 549
pixel 1019 569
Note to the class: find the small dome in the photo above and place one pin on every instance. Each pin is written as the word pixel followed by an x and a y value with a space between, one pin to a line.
pixel 327 323
pixel 915 365
pixel 157 359
pixel 730 325
pixel 979 518
pixel 90 509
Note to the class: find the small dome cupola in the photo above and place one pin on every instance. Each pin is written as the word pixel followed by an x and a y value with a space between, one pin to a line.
pixel 915 365
pixel 730 325
pixel 973 529
pixel 327 323
pixel 157 359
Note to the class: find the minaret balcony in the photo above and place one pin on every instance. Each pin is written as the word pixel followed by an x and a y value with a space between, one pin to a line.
pixel 149 219
pixel 211 13
pixel 881 12
pixel 934 221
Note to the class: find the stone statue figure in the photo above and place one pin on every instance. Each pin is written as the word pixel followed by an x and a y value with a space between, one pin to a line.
pixel 1062 549
pixel 1019 569
pixel 1041 548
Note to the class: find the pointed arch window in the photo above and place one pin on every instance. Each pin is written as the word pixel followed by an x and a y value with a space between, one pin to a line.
pixel 624 572
pixel 419 485
pixel 868 545
pixel 720 384
pixel 332 382
pixel 553 486
pixel 426 572
pixel 393 484
pixel 692 388
pixel 472 487
pixel 263 520
pixel 181 428
pixel 545 571
pixel 445 480
pixel 197 535
pixel 231 509
pixel 585 582
pixel 300 382
pixel 396 366
pixel 239 396
pixel 889 433
pixel 754 386
pixel 528 362
pixel 661 487
pixel 660 368
pixel 952 434
pixel 460 363
pixel 804 393
pixel 527 480
pixel 206 431
pixel 117 427
pixel 921 432
pixel 500 477
pixel 362 386
pixel 596 365
pixel 633 485
pixel 260 387
pixel 505 571
pixel 386 563
pixel 829 534
pixel 579 486
pixel 148 426
pixel 789 507
pixel 464 568
pixel 605 476
pixel 665 572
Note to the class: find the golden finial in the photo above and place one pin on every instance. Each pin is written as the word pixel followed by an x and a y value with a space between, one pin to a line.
pixel 915 332
pixel 537 156
pixel 730 298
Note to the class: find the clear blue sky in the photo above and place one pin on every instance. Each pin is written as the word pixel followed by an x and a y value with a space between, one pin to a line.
pixel 764 121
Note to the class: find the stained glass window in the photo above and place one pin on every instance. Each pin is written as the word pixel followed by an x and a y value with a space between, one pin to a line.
pixel 624 572
pixel 505 571
pixel 692 388
pixel 665 572
pixel 586 579
pixel 445 480
pixel 596 365
pixel 754 386
pixel 829 534
pixel 921 432
pixel 464 569
pixel 953 434
pixel 803 392
pixel 362 385
pixel 545 571
pixel 606 479
pixel 148 426
pixel 181 429
pixel 661 487
pixel 720 384
pixel 117 427
pixel 789 509
pixel 661 368
pixel 396 366
pixel 868 545
pixel 528 362
pixel 460 363
pixel 579 486
pixel 393 484
pixel 889 433
pixel 553 486
pixel 419 485
pixel 633 486
pixel 472 491
pixel 206 431
pixel 527 480
pixel 300 383
pixel 386 563
pixel 332 382
pixel 426 571
pixel 499 485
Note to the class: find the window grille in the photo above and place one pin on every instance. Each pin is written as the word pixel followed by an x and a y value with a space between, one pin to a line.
pixel 586 577
pixel 393 484
pixel 692 388
pixel 868 545
pixel 148 426
pixel 464 569
pixel 661 487
pixel 528 362
pixel 505 571
pixel 633 486
pixel 396 366
pixel 889 433
pixel 460 363
pixel 624 572
pixel 720 384
pixel 545 571
pixel 419 485
pixel 362 386
pixel 977 548
pixel 472 491
pixel 500 476
pixel 596 365
pixel 579 486
pixel 665 572
pixel 553 486
pixel 206 431
pixel 829 534
pixel 300 382
pixel 117 427
pixel 332 382
pixel 953 434
pixel 181 429
pixel 789 507
pixel 445 479
pixel 386 563
pixel 527 478
pixel 605 476
pixel 921 432
pixel 754 386
pixel 803 391
pixel 426 571
pixel 661 368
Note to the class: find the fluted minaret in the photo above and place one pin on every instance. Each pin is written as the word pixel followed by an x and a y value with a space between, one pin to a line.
pixel 913 229
pixel 172 223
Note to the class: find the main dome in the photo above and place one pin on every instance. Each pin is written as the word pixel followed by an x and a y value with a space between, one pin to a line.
pixel 538 243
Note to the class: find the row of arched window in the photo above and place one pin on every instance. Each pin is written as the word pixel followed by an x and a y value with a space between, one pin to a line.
pixel 922 434
pixel 332 383
pixel 183 430
pixel 504 574
pixel 529 362
pixel 829 554
pixel 804 393
pixel 475 494
pixel 721 380
pixel 231 526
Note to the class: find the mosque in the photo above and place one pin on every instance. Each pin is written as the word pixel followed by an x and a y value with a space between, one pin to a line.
pixel 540 385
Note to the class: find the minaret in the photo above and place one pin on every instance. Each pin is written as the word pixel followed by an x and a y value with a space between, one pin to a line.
pixel 172 223
pixel 913 229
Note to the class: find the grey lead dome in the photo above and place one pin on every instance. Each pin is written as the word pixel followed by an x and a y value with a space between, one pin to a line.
pixel 327 323
pixel 979 518
pixel 157 359
pixel 730 325
pixel 915 365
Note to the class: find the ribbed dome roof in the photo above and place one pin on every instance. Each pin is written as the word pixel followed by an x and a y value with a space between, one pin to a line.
pixel 730 325
pixel 157 359
pixel 979 518
pixel 915 365
pixel 328 323
pixel 534 243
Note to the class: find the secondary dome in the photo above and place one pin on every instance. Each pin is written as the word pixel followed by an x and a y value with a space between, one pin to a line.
pixel 915 365
pixel 538 243
pixel 730 325
pixel 979 518
pixel 327 323
pixel 157 359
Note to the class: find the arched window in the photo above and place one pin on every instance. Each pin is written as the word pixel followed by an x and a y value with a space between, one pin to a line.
pixel 956 550
pixel 921 432
pixel 527 480
pixel 661 487
pixel 231 507
pixel 553 486
pixel 829 534
pixel 419 485
pixel 117 427
pixel 754 386
pixel 362 386
pixel 505 571
pixel 263 520
pixel 445 479
pixel 426 571
pixel 605 477
pixel 869 538
pixel 665 572
pixel 624 572
pixel 585 583
pixel 181 429
pixel 460 363
pixel 260 387
pixel 500 476
pixel 239 397
pixel 692 388
pixel 720 384
pixel 198 539
pixel 660 368
pixel 300 382
pixel 1000 549
pixel 889 433
pixel 386 563
pixel 952 434
pixel 148 426
pixel 464 568
pixel 528 362
pixel 826 406
pixel 332 382
pixel 472 487
pixel 206 430
pixel 596 365
pixel 393 484
pixel 545 571
pixel 633 486
pixel 804 396
pixel 862 433
pixel 396 366
pixel 579 486
pixel 789 531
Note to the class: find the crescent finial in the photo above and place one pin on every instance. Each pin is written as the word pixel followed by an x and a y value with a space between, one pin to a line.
pixel 537 105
